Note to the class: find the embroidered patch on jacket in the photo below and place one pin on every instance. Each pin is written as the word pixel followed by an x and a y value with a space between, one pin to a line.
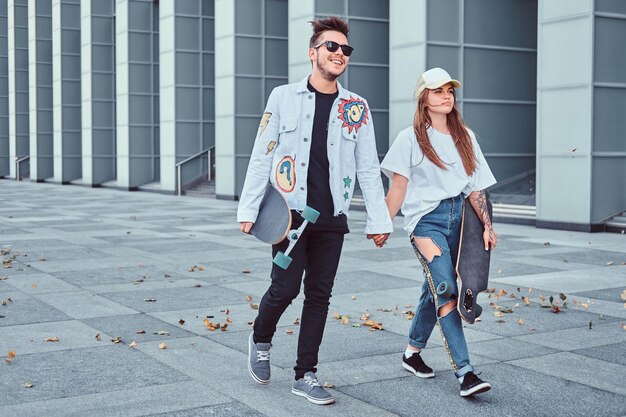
pixel 265 119
pixel 270 146
pixel 286 174
pixel 353 113
pixel 347 182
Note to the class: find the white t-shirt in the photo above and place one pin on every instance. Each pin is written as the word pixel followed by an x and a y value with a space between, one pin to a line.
pixel 428 184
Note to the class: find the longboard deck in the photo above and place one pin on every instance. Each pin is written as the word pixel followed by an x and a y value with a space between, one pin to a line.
pixel 274 219
pixel 472 266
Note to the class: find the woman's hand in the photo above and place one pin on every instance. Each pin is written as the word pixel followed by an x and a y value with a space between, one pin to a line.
pixel 245 227
pixel 489 237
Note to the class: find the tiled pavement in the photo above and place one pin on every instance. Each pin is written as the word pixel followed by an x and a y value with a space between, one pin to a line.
pixel 88 262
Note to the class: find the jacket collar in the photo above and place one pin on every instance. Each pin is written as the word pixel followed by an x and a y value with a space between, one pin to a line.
pixel 302 88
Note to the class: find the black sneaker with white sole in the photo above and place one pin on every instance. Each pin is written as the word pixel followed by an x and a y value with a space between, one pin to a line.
pixel 473 385
pixel 416 365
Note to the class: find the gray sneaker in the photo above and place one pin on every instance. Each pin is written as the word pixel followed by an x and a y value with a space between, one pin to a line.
pixel 259 360
pixel 309 388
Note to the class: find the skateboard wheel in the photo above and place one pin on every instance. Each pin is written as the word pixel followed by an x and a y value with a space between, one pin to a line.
pixel 478 311
pixel 310 214
pixel 444 290
pixel 282 260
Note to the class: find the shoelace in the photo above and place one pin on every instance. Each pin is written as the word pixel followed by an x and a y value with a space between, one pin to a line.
pixel 312 382
pixel 263 355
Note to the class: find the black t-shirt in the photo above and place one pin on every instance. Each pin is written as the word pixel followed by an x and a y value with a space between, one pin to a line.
pixel 318 180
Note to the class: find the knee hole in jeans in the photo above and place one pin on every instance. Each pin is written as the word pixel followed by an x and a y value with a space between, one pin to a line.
pixel 446 309
pixel 428 248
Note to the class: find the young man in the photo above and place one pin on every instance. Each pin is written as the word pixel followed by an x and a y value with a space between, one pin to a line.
pixel 314 137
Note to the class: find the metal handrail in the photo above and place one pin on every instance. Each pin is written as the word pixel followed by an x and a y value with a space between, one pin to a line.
pixel 18 161
pixel 179 180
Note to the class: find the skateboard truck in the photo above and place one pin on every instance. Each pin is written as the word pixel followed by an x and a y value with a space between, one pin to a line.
pixel 282 259
pixel 444 290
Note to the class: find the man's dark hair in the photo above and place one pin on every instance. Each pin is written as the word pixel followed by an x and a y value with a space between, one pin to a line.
pixel 329 23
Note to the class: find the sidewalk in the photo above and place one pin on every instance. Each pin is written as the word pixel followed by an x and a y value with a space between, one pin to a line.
pixel 94 266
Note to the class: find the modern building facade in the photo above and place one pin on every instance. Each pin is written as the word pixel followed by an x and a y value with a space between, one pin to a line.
pixel 155 94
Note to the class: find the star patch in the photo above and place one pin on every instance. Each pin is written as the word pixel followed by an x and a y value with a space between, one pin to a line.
pixel 346 195
pixel 353 113
pixel 346 182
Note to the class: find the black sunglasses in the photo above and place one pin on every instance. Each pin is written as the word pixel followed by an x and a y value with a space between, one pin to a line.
pixel 332 46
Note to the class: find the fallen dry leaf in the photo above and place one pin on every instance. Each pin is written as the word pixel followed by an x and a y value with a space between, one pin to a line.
pixel 52 339
pixel 520 322
pixel 149 300
pixel 623 295
pixel 365 316
pixel 181 322
pixel 297 321
pixel 163 346
pixel 526 300
pixel 224 326
pixel 345 319
pixel 373 325
pixel 228 320
pixel 246 271
pixel 98 338
pixel 161 333
pixel 248 298
pixel 498 314
pixel 328 385
pixel 116 340
pixel 140 331
pixel 289 331
pixel 3 277
pixel 133 344
pixel 354 297
pixel 33 285
pixel 28 385
pixel 254 306
pixel 609 263
pixel 12 354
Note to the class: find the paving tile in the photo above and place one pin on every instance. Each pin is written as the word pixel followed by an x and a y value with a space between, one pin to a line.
pixel 130 402
pixel 24 309
pixel 516 391
pixel 127 327
pixel 83 304
pixel 592 372
pixel 581 337
pixel 591 256
pixel 615 353
pixel 31 338
pixel 234 409
pixel 175 298
pixel 81 371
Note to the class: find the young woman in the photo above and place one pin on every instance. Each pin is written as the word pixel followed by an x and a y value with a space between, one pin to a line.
pixel 434 165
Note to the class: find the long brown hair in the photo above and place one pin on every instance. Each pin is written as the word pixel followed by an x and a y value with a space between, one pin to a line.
pixel 458 131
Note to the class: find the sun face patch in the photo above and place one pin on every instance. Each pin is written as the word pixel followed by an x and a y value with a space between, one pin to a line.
pixel 286 174
pixel 265 119
pixel 353 113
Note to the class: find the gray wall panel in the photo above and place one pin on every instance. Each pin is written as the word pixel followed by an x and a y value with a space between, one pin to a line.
pixel 4 91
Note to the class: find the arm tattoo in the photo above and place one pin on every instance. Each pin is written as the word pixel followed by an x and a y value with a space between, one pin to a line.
pixel 479 201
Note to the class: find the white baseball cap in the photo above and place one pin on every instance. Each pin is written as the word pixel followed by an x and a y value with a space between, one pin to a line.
pixel 434 78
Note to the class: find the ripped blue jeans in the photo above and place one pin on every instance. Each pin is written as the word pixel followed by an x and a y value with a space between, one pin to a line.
pixel 442 226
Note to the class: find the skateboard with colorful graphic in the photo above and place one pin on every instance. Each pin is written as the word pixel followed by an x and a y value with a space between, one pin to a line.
pixel 273 223
pixel 472 264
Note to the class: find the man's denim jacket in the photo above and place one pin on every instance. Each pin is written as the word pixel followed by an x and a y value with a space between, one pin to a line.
pixel 282 148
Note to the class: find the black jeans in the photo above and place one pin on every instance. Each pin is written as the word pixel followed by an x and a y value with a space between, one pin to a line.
pixel 317 256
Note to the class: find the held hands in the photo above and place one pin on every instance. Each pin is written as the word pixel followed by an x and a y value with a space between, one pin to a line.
pixel 379 239
pixel 245 227
pixel 489 237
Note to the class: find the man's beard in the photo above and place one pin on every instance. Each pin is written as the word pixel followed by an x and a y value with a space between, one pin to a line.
pixel 326 75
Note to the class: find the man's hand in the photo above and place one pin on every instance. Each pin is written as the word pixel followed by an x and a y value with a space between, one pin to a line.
pixel 379 239
pixel 245 227
pixel 489 237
